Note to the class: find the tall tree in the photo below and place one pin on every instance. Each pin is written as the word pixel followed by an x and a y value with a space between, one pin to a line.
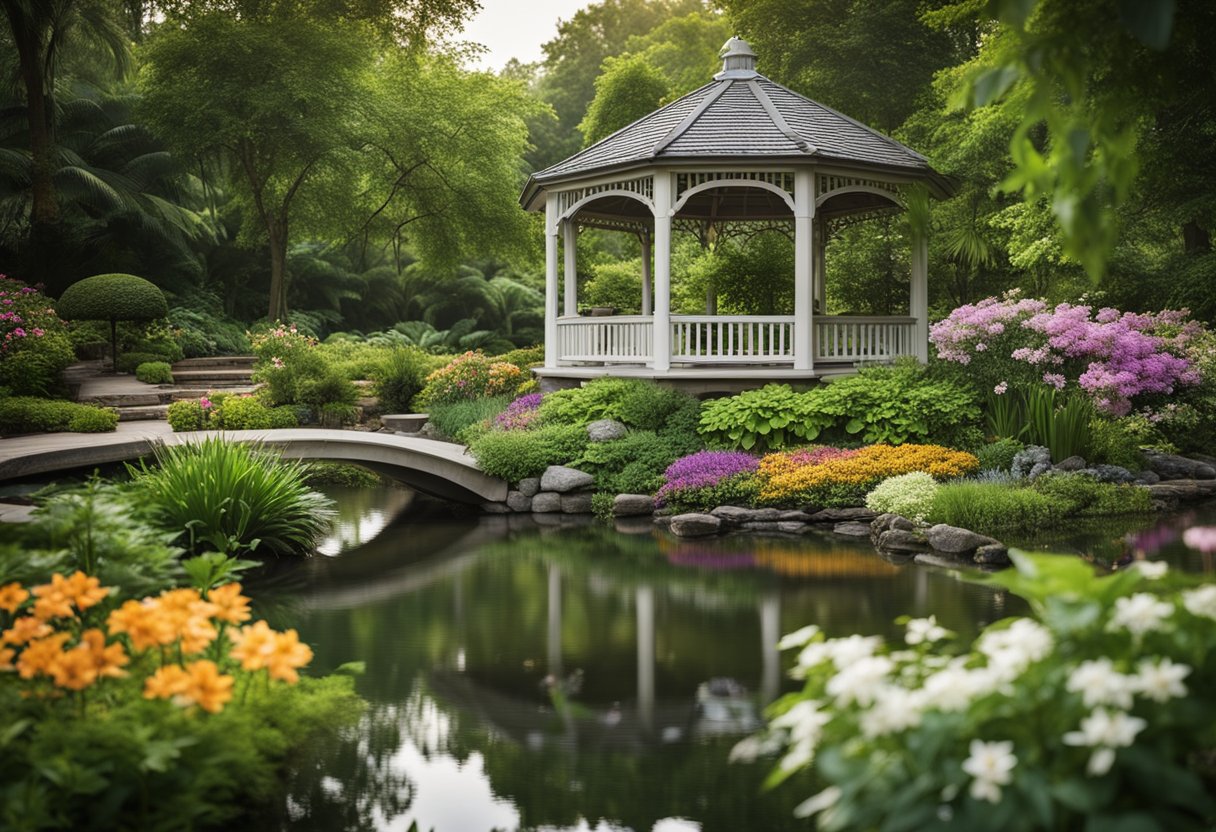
pixel 629 89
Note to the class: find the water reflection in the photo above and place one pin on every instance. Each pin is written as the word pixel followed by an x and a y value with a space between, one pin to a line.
pixel 363 513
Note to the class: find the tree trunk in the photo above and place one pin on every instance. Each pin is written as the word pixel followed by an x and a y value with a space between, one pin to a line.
pixel 277 231
pixel 1195 238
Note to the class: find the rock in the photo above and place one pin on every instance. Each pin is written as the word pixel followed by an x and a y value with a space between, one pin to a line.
pixel 579 503
pixel 1111 473
pixel 561 479
pixel 1147 477
pixel 955 541
pixel 1031 461
pixel 1174 467
pixel 940 561
pixel 517 501
pixel 992 554
pixel 631 505
pixel 495 508
pixel 1173 491
pixel 529 486
pixel 852 528
pixel 695 525
pixel 663 520
pixel 1073 463
pixel 738 516
pixel 761 526
pixel 546 502
pixel 791 527
pixel 842 515
pixel 794 517
pixel 429 431
pixel 605 430
pixel 898 540
pixel 886 522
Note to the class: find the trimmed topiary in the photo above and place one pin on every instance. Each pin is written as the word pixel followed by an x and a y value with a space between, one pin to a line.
pixel 154 372
pixel 113 298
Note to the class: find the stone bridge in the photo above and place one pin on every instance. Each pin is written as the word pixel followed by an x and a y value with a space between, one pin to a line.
pixel 437 468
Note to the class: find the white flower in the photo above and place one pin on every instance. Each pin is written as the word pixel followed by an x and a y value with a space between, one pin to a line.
pixel 1105 731
pixel 798 637
pixel 953 688
pixel 991 765
pixel 858 682
pixel 799 755
pixel 1141 613
pixel 895 709
pixel 814 653
pixel 1162 680
pixel 804 721
pixel 925 631
pixel 1100 684
pixel 1152 569
pixel 1013 649
pixel 826 799
pixel 1201 602
pixel 846 651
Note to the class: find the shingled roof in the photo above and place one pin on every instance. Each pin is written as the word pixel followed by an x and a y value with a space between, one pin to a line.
pixel 740 116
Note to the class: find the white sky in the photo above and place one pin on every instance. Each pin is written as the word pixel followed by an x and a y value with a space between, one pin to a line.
pixel 517 28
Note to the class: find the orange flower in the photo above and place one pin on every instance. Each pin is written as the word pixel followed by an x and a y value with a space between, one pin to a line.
pixel 288 654
pixel 12 596
pixel 166 683
pixel 6 658
pixel 253 645
pixel 26 628
pixel 188 618
pixel 108 660
pixel 233 607
pixel 55 599
pixel 75 668
pixel 207 687
pixel 41 656
pixel 142 622
pixel 52 606
pixel 85 590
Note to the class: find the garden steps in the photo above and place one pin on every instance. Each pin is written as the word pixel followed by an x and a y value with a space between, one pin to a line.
pixel 142 413
pixel 180 393
pixel 238 376
pixel 215 362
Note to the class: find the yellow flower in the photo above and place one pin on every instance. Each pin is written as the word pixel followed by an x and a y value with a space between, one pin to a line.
pixel 41 656
pixel 288 654
pixel 142 622
pixel 108 660
pixel 207 687
pixel 165 683
pixel 26 628
pixel 253 645
pixel 12 596
pixel 231 605
pixel 75 668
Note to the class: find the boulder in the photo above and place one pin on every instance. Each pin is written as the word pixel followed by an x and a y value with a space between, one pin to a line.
pixel 632 505
pixel 955 541
pixel 517 501
pixel 1110 473
pixel 842 515
pixel 898 540
pixel 563 480
pixel 695 525
pixel 992 554
pixel 791 527
pixel 663 520
pixel 1073 463
pixel 1174 491
pixel 1174 467
pixel 1147 477
pixel 852 528
pixel 605 430
pixel 579 503
pixel 762 526
pixel 886 522
pixel 546 502
pixel 1030 462
pixel 529 486
pixel 738 516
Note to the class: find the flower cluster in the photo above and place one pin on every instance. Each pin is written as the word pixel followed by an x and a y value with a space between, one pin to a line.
pixel 520 414
pixel 1110 355
pixel 968 727
pixel 846 478
pixel 470 376
pixel 910 495
pixel 50 640
pixel 704 469
pixel 34 345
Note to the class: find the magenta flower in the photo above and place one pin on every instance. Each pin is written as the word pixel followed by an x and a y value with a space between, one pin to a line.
pixel 520 414
pixel 704 469
pixel 204 403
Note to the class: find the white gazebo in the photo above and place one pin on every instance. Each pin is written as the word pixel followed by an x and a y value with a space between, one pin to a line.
pixel 741 153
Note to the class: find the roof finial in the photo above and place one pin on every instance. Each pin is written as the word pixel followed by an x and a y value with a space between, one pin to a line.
pixel 738 60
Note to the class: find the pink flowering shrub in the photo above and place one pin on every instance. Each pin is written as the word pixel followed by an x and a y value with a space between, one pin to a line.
pixel 470 376
pixel 34 344
pixel 1112 356
pixel 296 372
pixel 520 414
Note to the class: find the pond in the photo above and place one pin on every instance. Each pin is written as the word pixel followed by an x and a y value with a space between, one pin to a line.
pixel 576 677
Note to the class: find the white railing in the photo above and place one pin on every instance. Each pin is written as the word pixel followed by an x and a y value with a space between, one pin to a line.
pixel 863 339
pixel 622 339
pixel 732 339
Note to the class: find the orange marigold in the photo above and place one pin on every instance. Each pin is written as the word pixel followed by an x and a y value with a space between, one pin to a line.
pixel 782 481
pixel 288 654
pixel 12 596
pixel 166 683
pixel 108 659
pixel 55 600
pixel 75 668
pixel 142 622
pixel 231 605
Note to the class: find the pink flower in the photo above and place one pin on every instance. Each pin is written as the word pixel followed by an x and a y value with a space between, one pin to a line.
pixel 1001 388
pixel 204 403
pixel 1055 380
pixel 19 332
pixel 1201 538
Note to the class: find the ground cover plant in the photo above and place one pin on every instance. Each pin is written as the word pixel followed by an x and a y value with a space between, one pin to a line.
pixel 154 372
pixel 1090 714
pixel 230 411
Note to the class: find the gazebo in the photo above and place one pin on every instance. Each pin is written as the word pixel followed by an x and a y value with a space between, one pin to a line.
pixel 739 154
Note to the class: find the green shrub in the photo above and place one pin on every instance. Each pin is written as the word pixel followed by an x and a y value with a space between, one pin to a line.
pixel 113 298
pixel 205 332
pixel 129 362
pixel 737 490
pixel 991 508
pixel 1082 496
pixel 1118 441
pixel 337 414
pixel 910 495
pixel 296 372
pixel 637 403
pixel 525 358
pixel 231 497
pixel 633 464
pixel 616 284
pixel 154 372
pixel 186 414
pixel 242 413
pixel 470 376
pixel 284 416
pixel 516 454
pixel 159 339
pixel 452 419
pixel 601 506
pixel 998 455
pixel 25 414
pixel 768 419
pixel 399 377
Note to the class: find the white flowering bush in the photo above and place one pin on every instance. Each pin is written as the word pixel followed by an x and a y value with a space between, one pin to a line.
pixel 908 494
pixel 1097 715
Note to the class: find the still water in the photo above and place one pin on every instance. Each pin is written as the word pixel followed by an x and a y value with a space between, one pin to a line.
pixel 578 677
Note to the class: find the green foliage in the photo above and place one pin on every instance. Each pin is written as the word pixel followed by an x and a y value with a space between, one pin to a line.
pixel 1059 423
pixel 768 419
pixel 616 284
pixel 998 455
pixel 1118 441
pixel 128 362
pixel 633 464
pixel 341 474
pixel 399 378
pixel 993 508
pixel 229 497
pixel 35 347
pixel 206 332
pixel 524 358
pixel 452 420
pixel 154 372
pixel 186 414
pixel 241 413
pixel 737 490
pixel 910 495
pixel 516 454
pixel 1079 495
pixel 628 89
pixel 470 376
pixel 296 371
pixel 112 297
pixel 24 414
pixel 601 506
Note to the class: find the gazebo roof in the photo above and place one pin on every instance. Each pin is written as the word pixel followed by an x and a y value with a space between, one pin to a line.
pixel 741 116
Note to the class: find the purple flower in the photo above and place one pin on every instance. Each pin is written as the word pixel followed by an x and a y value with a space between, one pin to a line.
pixel 520 414
pixel 705 469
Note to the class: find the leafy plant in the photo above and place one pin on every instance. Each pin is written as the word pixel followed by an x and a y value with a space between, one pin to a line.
pixel 399 378
pixel 998 455
pixel 452 419
pixel 767 419
pixel 1005 413
pixel 34 345
pixel 1063 427
pixel 130 362
pixel 470 376
pixel 186 414
pixel 910 495
pixel 24 414
pixel 113 298
pixel 154 372
pixel 1080 495
pixel 633 464
pixel 516 454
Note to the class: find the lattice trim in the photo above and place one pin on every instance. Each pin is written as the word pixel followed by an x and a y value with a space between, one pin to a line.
pixel 781 179
pixel 837 224
pixel 830 183
pixel 727 229
pixel 643 186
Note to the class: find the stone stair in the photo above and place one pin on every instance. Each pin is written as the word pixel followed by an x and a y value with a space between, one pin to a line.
pixel 135 401
pixel 220 372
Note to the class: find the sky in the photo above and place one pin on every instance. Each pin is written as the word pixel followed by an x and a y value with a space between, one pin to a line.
pixel 517 28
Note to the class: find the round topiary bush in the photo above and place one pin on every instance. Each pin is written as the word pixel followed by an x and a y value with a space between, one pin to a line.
pixel 113 298
pixel 154 372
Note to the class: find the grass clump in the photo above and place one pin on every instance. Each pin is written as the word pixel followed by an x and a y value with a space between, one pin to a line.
pixel 452 419
pixel 1082 496
pixel 991 508
pixel 998 455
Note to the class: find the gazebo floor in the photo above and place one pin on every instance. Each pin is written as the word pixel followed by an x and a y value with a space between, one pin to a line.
pixel 695 379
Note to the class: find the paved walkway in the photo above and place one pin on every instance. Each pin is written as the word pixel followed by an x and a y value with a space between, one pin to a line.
pixel 438 468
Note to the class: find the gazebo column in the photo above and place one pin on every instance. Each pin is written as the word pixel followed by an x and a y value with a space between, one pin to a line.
pixel 662 272
pixel 820 300
pixel 804 268
pixel 647 279
pixel 918 302
pixel 570 277
pixel 551 352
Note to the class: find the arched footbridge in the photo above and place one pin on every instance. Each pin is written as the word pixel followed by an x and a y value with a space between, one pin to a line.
pixel 438 468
